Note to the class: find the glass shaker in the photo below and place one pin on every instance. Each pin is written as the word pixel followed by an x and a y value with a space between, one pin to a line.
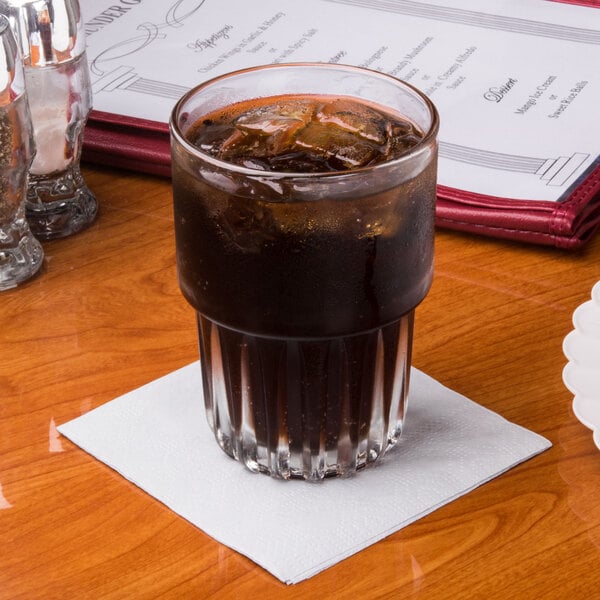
pixel 52 41
pixel 21 255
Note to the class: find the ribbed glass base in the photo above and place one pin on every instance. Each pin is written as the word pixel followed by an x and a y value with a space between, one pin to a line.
pixel 307 409
pixel 21 255
pixel 59 205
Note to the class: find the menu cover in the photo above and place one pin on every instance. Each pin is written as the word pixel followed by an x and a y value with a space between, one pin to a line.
pixel 516 83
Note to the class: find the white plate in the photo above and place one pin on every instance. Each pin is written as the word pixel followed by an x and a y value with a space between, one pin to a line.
pixel 582 373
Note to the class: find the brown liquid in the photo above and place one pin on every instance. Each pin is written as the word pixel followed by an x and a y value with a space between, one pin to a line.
pixel 304 134
pixel 305 306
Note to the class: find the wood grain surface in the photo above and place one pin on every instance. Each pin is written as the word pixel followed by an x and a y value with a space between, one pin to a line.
pixel 105 316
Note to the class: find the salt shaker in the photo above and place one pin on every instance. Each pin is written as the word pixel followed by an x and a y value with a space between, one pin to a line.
pixel 52 42
pixel 21 255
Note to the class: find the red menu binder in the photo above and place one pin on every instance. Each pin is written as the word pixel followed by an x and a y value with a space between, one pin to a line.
pixel 142 145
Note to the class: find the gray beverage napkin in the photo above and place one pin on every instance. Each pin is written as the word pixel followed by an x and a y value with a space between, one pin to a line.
pixel 157 437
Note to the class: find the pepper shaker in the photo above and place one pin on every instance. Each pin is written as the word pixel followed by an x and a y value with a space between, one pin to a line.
pixel 52 42
pixel 21 255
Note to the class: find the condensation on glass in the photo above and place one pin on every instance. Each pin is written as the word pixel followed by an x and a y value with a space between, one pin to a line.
pixel 305 284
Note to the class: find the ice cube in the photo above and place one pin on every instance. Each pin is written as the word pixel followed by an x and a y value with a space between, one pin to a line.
pixel 342 148
pixel 214 137
pixel 356 118
pixel 400 144
pixel 301 162
pixel 273 128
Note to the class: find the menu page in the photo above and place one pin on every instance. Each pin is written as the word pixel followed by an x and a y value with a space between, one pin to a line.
pixel 516 82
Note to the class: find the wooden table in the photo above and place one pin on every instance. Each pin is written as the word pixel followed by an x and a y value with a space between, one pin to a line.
pixel 105 316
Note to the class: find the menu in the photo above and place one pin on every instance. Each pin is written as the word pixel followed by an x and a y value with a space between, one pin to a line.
pixel 516 82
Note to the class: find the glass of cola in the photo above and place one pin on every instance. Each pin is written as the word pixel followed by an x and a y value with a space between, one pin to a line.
pixel 304 202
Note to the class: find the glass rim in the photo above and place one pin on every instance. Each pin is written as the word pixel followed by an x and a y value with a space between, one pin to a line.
pixel 178 135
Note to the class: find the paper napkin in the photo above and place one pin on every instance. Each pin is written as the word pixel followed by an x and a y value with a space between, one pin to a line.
pixel 157 437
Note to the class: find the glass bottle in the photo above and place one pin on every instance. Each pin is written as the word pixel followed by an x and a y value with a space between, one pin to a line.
pixel 52 41
pixel 21 255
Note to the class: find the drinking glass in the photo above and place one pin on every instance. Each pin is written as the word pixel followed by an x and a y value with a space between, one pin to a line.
pixel 21 255
pixel 52 43
pixel 305 283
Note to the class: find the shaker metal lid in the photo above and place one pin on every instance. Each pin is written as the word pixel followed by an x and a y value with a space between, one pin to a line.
pixel 12 82
pixel 50 32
